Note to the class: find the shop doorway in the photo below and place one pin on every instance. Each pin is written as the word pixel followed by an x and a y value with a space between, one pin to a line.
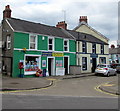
pixel 94 64
pixel 66 64
pixel 51 66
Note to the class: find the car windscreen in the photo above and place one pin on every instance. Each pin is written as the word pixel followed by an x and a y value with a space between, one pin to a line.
pixel 101 66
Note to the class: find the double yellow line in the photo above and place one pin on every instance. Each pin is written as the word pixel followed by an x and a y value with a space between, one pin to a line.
pixel 97 88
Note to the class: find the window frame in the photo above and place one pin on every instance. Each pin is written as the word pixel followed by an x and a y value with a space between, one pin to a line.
pixel 51 44
pixel 93 48
pixel 84 64
pixel 84 48
pixel 35 43
pixel 102 49
pixel 66 45
pixel 8 42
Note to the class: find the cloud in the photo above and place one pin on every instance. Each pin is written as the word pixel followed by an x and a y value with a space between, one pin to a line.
pixel 102 14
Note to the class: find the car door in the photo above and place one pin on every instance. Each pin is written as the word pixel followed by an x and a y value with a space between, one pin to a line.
pixel 112 70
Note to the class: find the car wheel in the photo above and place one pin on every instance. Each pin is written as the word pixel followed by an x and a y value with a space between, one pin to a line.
pixel 108 74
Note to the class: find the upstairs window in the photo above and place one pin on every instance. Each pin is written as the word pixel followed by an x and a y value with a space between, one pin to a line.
pixel 33 42
pixel 84 47
pixel 102 49
pixel 50 44
pixel 94 48
pixel 8 42
pixel 66 45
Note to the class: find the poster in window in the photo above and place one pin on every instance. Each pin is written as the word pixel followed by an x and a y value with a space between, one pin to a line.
pixel 58 63
pixel 43 63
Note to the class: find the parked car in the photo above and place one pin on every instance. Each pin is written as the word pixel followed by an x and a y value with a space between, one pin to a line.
pixel 118 69
pixel 116 66
pixel 105 69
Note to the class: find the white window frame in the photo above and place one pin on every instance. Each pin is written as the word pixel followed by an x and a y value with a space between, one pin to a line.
pixel 94 48
pixel 84 49
pixel 66 45
pixel 33 42
pixel 102 49
pixel 84 62
pixel 8 42
pixel 51 44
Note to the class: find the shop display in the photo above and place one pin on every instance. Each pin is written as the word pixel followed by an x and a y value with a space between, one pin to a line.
pixel 31 64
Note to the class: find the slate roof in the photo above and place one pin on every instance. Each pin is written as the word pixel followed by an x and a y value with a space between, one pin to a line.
pixel 114 50
pixel 84 23
pixel 26 26
pixel 31 27
pixel 85 37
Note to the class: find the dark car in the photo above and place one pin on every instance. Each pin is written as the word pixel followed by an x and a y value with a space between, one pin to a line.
pixel 118 69
pixel 116 66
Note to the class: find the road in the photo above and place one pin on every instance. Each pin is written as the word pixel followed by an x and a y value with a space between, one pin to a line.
pixel 79 93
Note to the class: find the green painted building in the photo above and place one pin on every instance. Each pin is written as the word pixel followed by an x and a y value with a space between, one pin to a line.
pixel 31 46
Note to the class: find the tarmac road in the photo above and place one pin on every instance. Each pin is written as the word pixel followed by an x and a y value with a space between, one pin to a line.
pixel 85 87
pixel 78 93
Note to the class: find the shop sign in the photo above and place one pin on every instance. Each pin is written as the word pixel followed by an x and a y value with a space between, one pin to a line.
pixel 57 54
pixel 46 53
pixel 94 55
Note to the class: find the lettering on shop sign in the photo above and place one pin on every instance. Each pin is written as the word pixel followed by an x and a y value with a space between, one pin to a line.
pixel 46 53
pixel 52 54
pixel 57 54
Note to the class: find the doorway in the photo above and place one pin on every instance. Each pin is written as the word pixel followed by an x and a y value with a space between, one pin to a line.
pixel 66 64
pixel 94 64
pixel 51 66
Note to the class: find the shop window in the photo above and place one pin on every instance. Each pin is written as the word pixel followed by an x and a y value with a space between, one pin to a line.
pixel 33 42
pixel 8 42
pixel 84 47
pixel 31 63
pixel 50 44
pixel 94 48
pixel 102 60
pixel 84 63
pixel 102 49
pixel 66 45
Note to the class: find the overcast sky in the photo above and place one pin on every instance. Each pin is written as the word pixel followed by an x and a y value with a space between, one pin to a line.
pixel 102 14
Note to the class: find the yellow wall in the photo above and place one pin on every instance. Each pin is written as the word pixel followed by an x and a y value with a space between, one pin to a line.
pixel 85 29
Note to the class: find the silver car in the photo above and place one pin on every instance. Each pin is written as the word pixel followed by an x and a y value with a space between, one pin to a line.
pixel 105 69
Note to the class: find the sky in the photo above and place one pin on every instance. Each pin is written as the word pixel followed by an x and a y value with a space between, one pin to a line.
pixel 102 14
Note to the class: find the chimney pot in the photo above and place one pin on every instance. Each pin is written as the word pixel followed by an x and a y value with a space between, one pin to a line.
pixel 62 24
pixel 83 19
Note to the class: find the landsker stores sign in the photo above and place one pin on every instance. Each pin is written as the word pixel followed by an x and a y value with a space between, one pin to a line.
pixel 52 54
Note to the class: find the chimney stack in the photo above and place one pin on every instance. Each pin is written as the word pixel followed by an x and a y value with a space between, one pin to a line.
pixel 62 25
pixel 83 19
pixel 7 12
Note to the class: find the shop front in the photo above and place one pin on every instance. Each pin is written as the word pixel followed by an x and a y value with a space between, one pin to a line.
pixel 53 62
pixel 32 64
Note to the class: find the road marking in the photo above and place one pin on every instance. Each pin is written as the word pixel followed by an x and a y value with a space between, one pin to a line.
pixel 51 84
pixel 108 84
pixel 97 88
pixel 51 79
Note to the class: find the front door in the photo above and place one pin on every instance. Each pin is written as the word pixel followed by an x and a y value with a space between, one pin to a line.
pixel 51 66
pixel 66 64
pixel 94 64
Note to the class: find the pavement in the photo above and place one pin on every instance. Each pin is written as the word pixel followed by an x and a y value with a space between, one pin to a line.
pixel 13 84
